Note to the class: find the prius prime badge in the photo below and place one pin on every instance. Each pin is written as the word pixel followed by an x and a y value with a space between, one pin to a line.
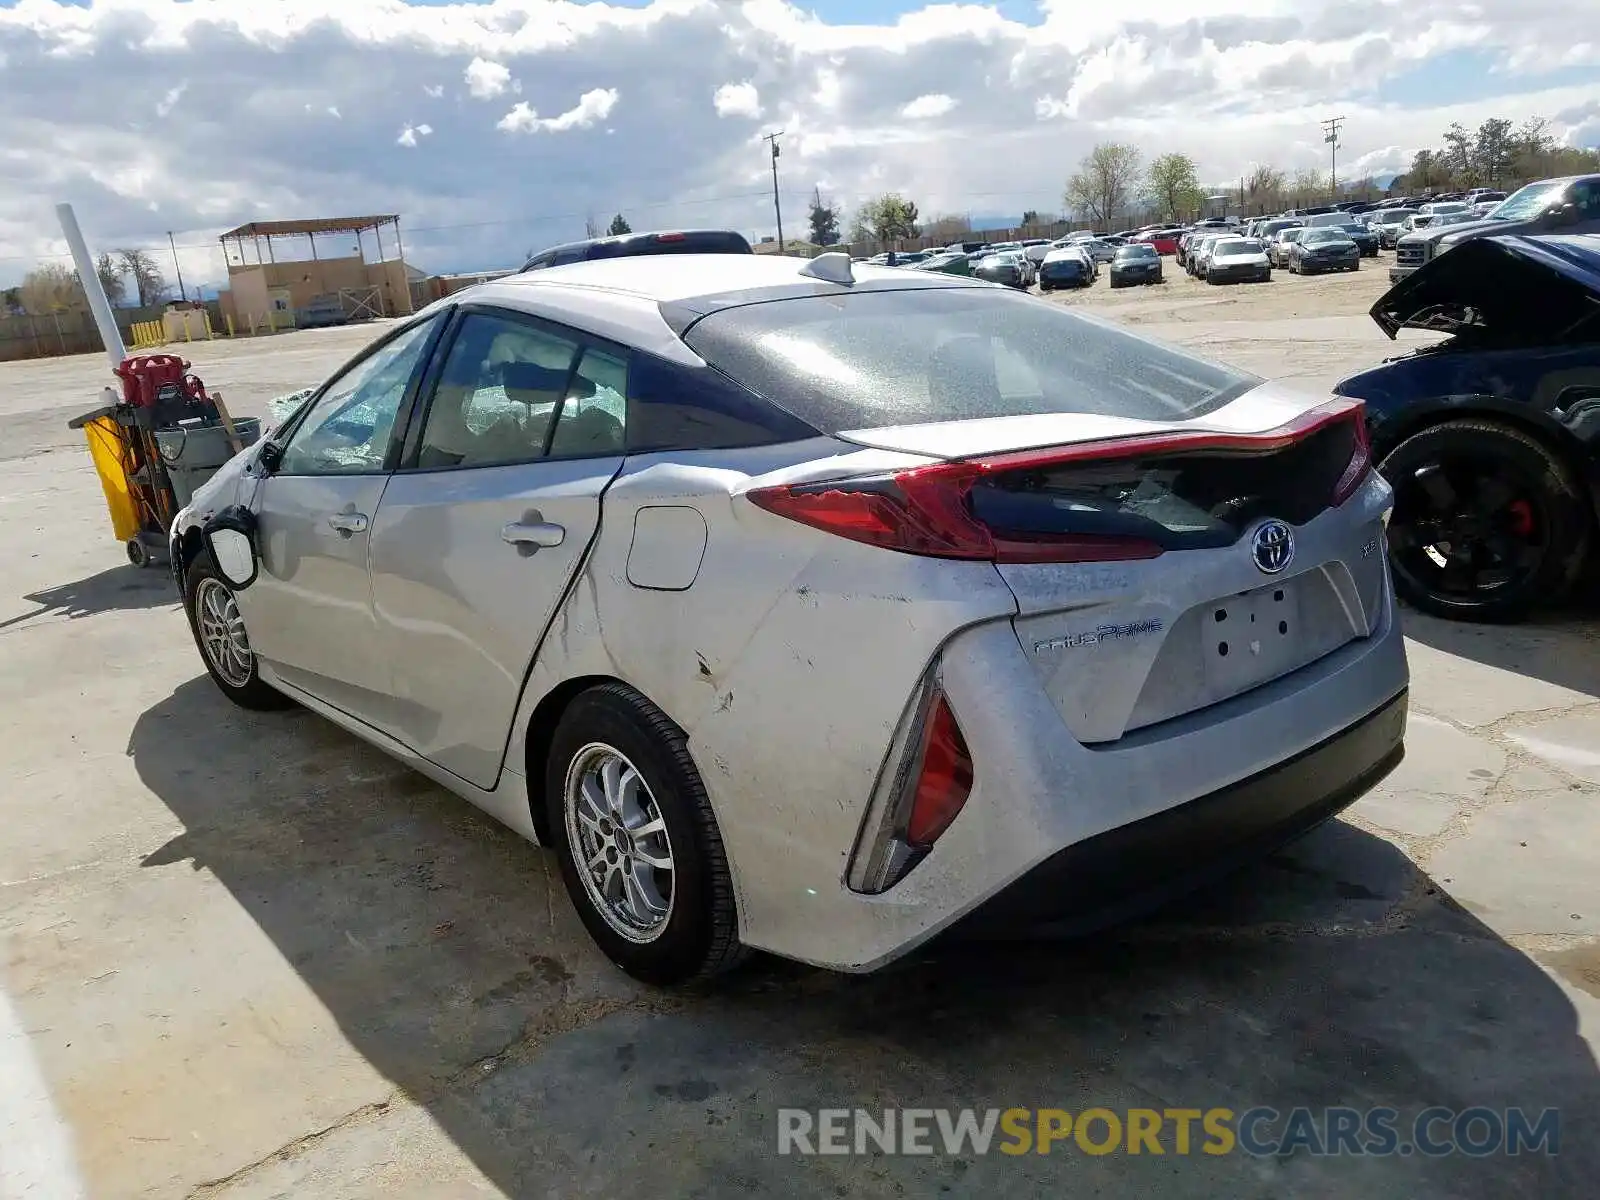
pixel 1272 546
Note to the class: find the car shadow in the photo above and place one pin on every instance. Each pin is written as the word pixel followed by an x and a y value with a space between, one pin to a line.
pixel 123 588
pixel 1334 974
pixel 1560 646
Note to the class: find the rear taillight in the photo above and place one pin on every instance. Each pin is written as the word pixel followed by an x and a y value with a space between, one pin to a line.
pixel 925 784
pixel 928 510
pixel 1360 465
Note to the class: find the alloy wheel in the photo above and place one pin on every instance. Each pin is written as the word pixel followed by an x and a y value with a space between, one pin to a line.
pixel 619 843
pixel 222 633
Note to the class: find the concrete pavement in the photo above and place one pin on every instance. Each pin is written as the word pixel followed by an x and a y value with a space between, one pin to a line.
pixel 250 957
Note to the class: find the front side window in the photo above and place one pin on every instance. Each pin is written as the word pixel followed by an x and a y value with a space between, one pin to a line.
pixel 513 391
pixel 874 359
pixel 347 431
pixel 1586 197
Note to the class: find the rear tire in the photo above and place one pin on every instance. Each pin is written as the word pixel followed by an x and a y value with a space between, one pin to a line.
pixel 1557 510
pixel 210 605
pixel 697 935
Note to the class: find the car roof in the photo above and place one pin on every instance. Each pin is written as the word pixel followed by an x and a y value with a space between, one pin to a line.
pixel 622 299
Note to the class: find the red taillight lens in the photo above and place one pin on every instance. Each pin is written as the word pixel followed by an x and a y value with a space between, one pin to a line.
pixel 944 780
pixel 927 510
pixel 1360 460
pixel 924 511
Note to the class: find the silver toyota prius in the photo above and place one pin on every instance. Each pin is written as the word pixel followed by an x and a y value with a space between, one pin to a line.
pixel 818 608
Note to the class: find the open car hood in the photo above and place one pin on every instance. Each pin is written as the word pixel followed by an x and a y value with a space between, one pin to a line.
pixel 1541 290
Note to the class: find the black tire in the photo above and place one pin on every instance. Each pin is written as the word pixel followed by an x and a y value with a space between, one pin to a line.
pixel 700 936
pixel 250 691
pixel 1557 506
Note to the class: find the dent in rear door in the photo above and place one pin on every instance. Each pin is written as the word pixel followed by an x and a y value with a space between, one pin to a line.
pixel 461 609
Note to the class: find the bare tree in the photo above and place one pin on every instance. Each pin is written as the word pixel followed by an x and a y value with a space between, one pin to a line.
pixel 110 275
pixel 148 282
pixel 51 287
pixel 1103 186
pixel 591 227
pixel 1264 186
pixel 1309 186
pixel 947 228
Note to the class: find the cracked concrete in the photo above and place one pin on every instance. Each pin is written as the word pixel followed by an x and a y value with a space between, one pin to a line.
pixel 254 958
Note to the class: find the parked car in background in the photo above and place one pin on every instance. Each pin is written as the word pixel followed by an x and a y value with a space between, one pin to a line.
pixel 1364 238
pixel 1388 224
pixel 1484 196
pixel 1566 205
pixel 1234 259
pixel 1065 266
pixel 1135 264
pixel 1200 253
pixel 1009 267
pixel 1491 439
pixel 1164 240
pixel 632 245
pixel 1278 247
pixel 1319 250
pixel 1099 249
pixel 947 264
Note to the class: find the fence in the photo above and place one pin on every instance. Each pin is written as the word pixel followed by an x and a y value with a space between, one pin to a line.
pixel 74 332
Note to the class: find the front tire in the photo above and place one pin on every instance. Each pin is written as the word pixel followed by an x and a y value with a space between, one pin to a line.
pixel 638 843
pixel 1488 522
pixel 224 645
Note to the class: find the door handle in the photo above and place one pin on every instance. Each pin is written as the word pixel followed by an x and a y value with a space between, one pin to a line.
pixel 533 534
pixel 348 523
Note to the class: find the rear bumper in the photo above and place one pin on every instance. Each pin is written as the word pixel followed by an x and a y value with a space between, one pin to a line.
pixel 1134 869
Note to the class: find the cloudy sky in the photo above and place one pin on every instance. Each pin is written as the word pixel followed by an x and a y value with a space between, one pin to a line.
pixel 495 128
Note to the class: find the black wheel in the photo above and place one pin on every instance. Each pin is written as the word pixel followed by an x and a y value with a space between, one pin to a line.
pixel 638 843
pixel 1487 521
pixel 138 555
pixel 224 646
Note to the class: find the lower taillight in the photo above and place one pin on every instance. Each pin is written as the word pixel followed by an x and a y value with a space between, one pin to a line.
pixel 925 784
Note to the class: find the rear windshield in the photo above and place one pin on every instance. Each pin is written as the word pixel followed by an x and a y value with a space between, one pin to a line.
pixel 1238 246
pixel 872 359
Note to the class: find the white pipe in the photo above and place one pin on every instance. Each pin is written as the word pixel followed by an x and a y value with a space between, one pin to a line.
pixel 98 304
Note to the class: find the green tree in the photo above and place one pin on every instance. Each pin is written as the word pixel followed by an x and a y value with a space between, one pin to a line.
pixel 1458 154
pixel 890 217
pixel 1492 149
pixel 1031 217
pixel 618 226
pixel 1174 185
pixel 824 220
pixel 1102 187
pixel 1428 170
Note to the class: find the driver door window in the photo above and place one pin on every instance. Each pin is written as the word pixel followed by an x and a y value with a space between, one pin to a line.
pixel 348 429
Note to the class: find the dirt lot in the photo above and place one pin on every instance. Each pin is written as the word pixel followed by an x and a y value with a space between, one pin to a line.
pixel 245 956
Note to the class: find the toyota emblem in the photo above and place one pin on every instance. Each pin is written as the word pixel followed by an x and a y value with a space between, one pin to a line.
pixel 1272 546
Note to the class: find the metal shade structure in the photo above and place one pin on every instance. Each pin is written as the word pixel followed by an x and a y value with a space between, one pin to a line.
pixel 263 233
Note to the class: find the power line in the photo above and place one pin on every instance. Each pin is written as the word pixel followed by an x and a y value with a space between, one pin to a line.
pixel 1330 134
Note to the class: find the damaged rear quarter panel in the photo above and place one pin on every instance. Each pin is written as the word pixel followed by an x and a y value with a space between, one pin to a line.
pixel 788 663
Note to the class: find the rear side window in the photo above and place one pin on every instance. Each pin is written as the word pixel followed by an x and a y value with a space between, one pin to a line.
pixel 673 407
pixel 873 359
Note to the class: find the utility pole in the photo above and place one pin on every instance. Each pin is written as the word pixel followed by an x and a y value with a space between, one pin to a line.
pixel 772 140
pixel 1330 134
pixel 182 295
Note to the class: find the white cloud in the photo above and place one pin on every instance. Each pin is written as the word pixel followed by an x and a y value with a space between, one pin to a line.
pixel 170 101
pixel 486 79
pixel 737 100
pixel 926 108
pixel 322 90
pixel 592 106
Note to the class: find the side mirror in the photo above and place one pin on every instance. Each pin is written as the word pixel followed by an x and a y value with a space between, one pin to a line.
pixel 230 539
pixel 271 457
